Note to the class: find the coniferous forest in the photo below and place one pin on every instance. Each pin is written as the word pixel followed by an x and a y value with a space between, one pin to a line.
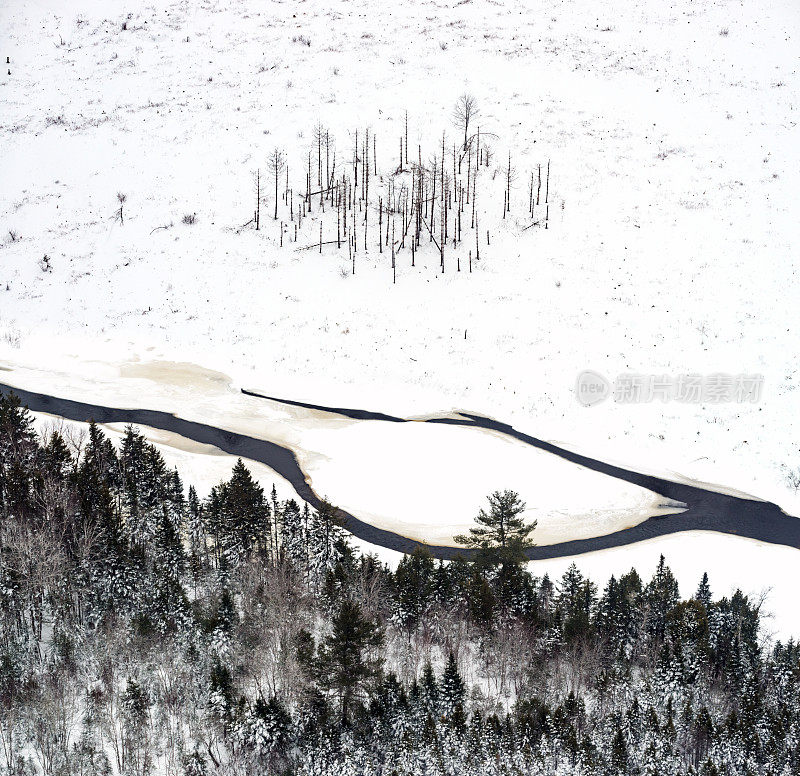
pixel 146 630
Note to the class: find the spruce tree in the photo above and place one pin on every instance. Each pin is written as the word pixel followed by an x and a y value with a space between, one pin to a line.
pixel 452 693
pixel 195 533
pixel 703 594
pixel 346 660
pixel 326 540
pixel 97 481
pixel 414 587
pixel 56 458
pixel 660 596
pixel 619 752
pixel 295 540
pixel 18 454
pixel 576 603
pixel 245 518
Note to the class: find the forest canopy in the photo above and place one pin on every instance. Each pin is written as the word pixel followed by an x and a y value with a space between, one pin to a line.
pixel 147 630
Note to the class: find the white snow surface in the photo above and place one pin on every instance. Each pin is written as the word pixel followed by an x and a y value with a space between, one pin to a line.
pixel 428 481
pixel 672 135
pixel 671 249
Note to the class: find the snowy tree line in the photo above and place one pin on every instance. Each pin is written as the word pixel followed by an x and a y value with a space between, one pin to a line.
pixel 146 630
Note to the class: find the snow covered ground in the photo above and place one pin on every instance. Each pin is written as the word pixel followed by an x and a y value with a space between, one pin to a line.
pixel 671 249
pixel 670 132
pixel 428 481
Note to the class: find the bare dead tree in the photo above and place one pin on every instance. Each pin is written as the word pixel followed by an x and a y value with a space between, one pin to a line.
pixel 327 159
pixel 539 184
pixel 465 110
pixel 406 137
pixel 319 139
pixel 121 198
pixel 277 162
pixel 511 175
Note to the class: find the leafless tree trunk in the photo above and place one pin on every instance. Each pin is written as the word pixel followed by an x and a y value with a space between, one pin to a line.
pixel 465 110
pixel 277 162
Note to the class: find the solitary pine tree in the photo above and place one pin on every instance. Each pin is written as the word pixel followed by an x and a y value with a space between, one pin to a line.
pixel 502 535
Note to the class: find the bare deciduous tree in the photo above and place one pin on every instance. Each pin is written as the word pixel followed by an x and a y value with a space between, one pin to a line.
pixel 465 110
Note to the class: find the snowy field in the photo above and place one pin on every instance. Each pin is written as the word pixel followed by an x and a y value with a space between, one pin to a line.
pixel 671 134
pixel 671 247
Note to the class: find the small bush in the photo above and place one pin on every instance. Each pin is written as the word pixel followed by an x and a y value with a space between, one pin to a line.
pixel 189 218
pixel 12 336
pixel 793 478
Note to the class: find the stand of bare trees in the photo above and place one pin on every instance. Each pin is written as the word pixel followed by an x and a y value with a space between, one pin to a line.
pixel 421 205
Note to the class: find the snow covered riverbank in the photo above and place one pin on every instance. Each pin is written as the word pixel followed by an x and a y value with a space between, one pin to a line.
pixel 733 562
pixel 421 480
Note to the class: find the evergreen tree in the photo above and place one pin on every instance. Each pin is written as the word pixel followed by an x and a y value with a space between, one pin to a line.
pixel 575 603
pixel 244 515
pixel 132 465
pixel 295 535
pixel 278 538
pixel 703 594
pixel 195 534
pixel 414 587
pixel 502 536
pixel 619 753
pixel 660 596
pixel 97 486
pixel 56 459
pixel 18 458
pixel 346 660
pixel 326 540
pixel 452 693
